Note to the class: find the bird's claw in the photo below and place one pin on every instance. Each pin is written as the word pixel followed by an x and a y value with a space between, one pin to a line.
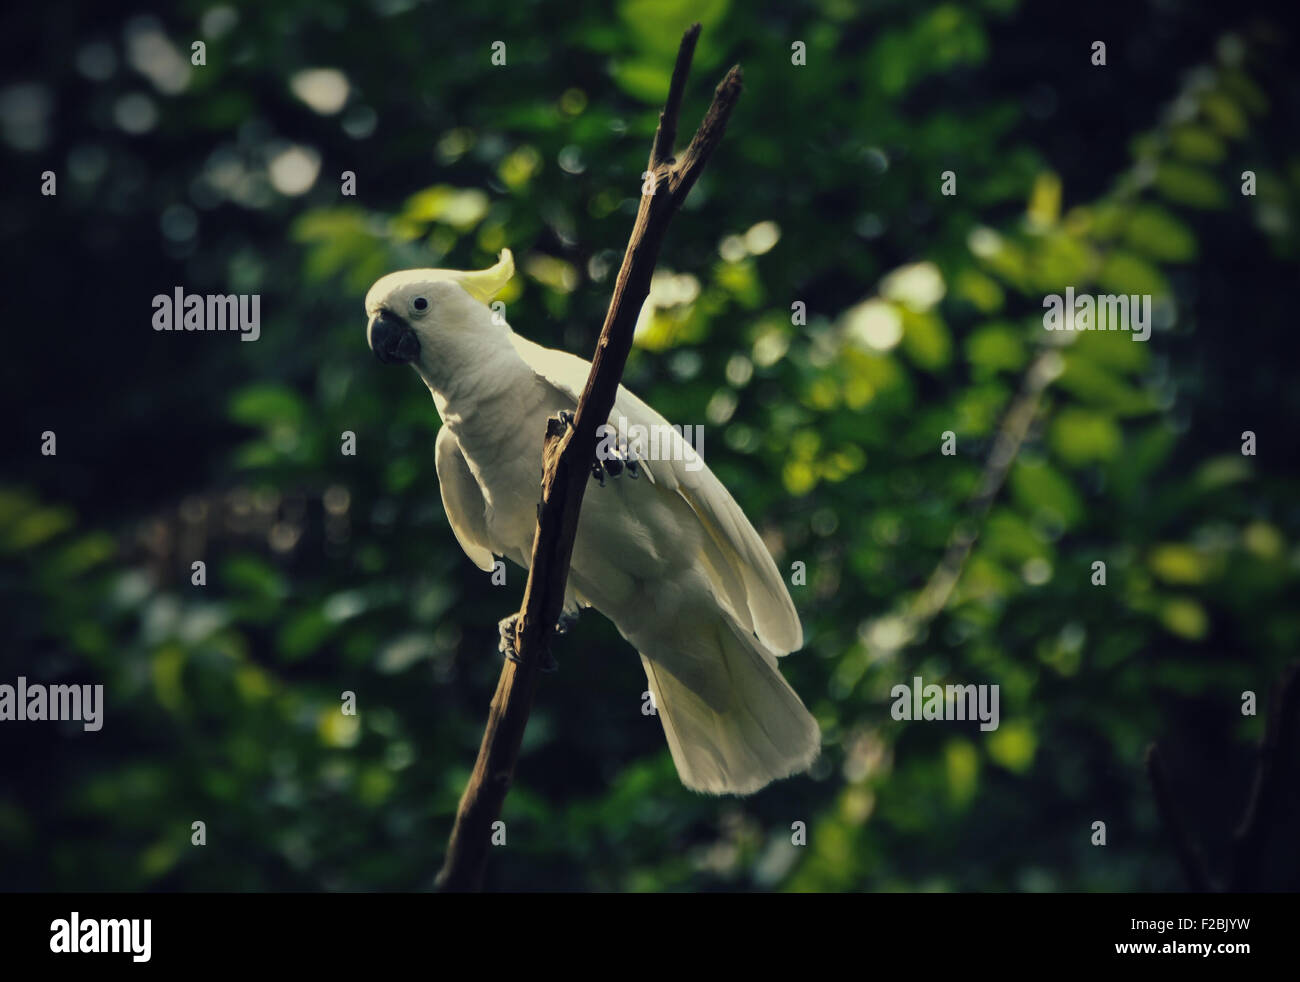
pixel 567 619
pixel 621 458
pixel 507 646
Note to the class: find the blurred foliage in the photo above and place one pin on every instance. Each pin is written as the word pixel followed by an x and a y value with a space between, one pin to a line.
pixel 329 573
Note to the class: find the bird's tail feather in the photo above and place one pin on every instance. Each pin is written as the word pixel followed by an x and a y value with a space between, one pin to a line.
pixel 737 724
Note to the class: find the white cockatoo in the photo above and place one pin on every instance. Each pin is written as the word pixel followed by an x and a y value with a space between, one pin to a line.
pixel 669 557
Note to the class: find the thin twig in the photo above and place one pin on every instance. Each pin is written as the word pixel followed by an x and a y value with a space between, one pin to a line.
pixel 1266 800
pixel 666 132
pixel 1011 433
pixel 567 456
pixel 1190 856
pixel 1276 758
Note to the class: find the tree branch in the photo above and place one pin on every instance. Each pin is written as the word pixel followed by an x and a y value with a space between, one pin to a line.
pixel 1264 805
pixel 1266 800
pixel 567 457
pixel 666 133
pixel 1189 853
pixel 1011 433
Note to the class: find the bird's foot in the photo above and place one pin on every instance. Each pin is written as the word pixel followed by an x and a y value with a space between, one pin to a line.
pixel 567 619
pixel 618 460
pixel 509 640
pixel 612 461
pixel 507 644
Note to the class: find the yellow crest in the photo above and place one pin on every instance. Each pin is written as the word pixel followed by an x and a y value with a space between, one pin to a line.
pixel 484 284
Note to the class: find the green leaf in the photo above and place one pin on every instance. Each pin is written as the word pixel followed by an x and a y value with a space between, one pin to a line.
pixel 1187 185
pixel 926 340
pixel 1180 564
pixel 983 292
pixel 1094 384
pixel 961 766
pixel 1185 617
pixel 303 634
pixel 1013 745
pixel 658 25
pixel 1225 115
pixel 996 348
pixel 1196 144
pixel 1041 489
pixel 1123 272
pixel 267 404
pixel 1082 437
pixel 254 576
pixel 1154 232
pixel 643 78
pixel 1103 348
pixel 36 526
pixel 1010 538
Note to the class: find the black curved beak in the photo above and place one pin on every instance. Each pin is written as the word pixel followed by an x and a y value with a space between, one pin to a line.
pixel 392 340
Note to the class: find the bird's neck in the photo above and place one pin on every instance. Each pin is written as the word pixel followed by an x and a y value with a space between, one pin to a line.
pixel 469 384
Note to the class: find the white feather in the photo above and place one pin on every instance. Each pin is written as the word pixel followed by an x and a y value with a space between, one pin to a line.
pixel 462 500
pixel 670 559
pixel 741 570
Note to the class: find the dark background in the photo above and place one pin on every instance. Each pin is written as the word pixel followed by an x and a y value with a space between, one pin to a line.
pixel 329 573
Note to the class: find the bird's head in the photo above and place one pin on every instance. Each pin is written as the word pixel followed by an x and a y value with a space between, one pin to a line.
pixel 420 314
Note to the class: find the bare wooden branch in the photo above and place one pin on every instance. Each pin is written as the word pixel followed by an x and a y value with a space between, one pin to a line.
pixel 1277 758
pixel 934 596
pixel 1266 800
pixel 1189 853
pixel 567 457
pixel 666 133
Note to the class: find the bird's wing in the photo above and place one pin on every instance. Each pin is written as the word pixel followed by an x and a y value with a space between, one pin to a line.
pixel 462 500
pixel 739 567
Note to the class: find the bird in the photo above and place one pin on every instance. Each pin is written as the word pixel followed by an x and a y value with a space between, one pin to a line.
pixel 663 551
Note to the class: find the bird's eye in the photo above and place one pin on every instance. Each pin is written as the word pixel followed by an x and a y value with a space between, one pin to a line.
pixel 420 304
